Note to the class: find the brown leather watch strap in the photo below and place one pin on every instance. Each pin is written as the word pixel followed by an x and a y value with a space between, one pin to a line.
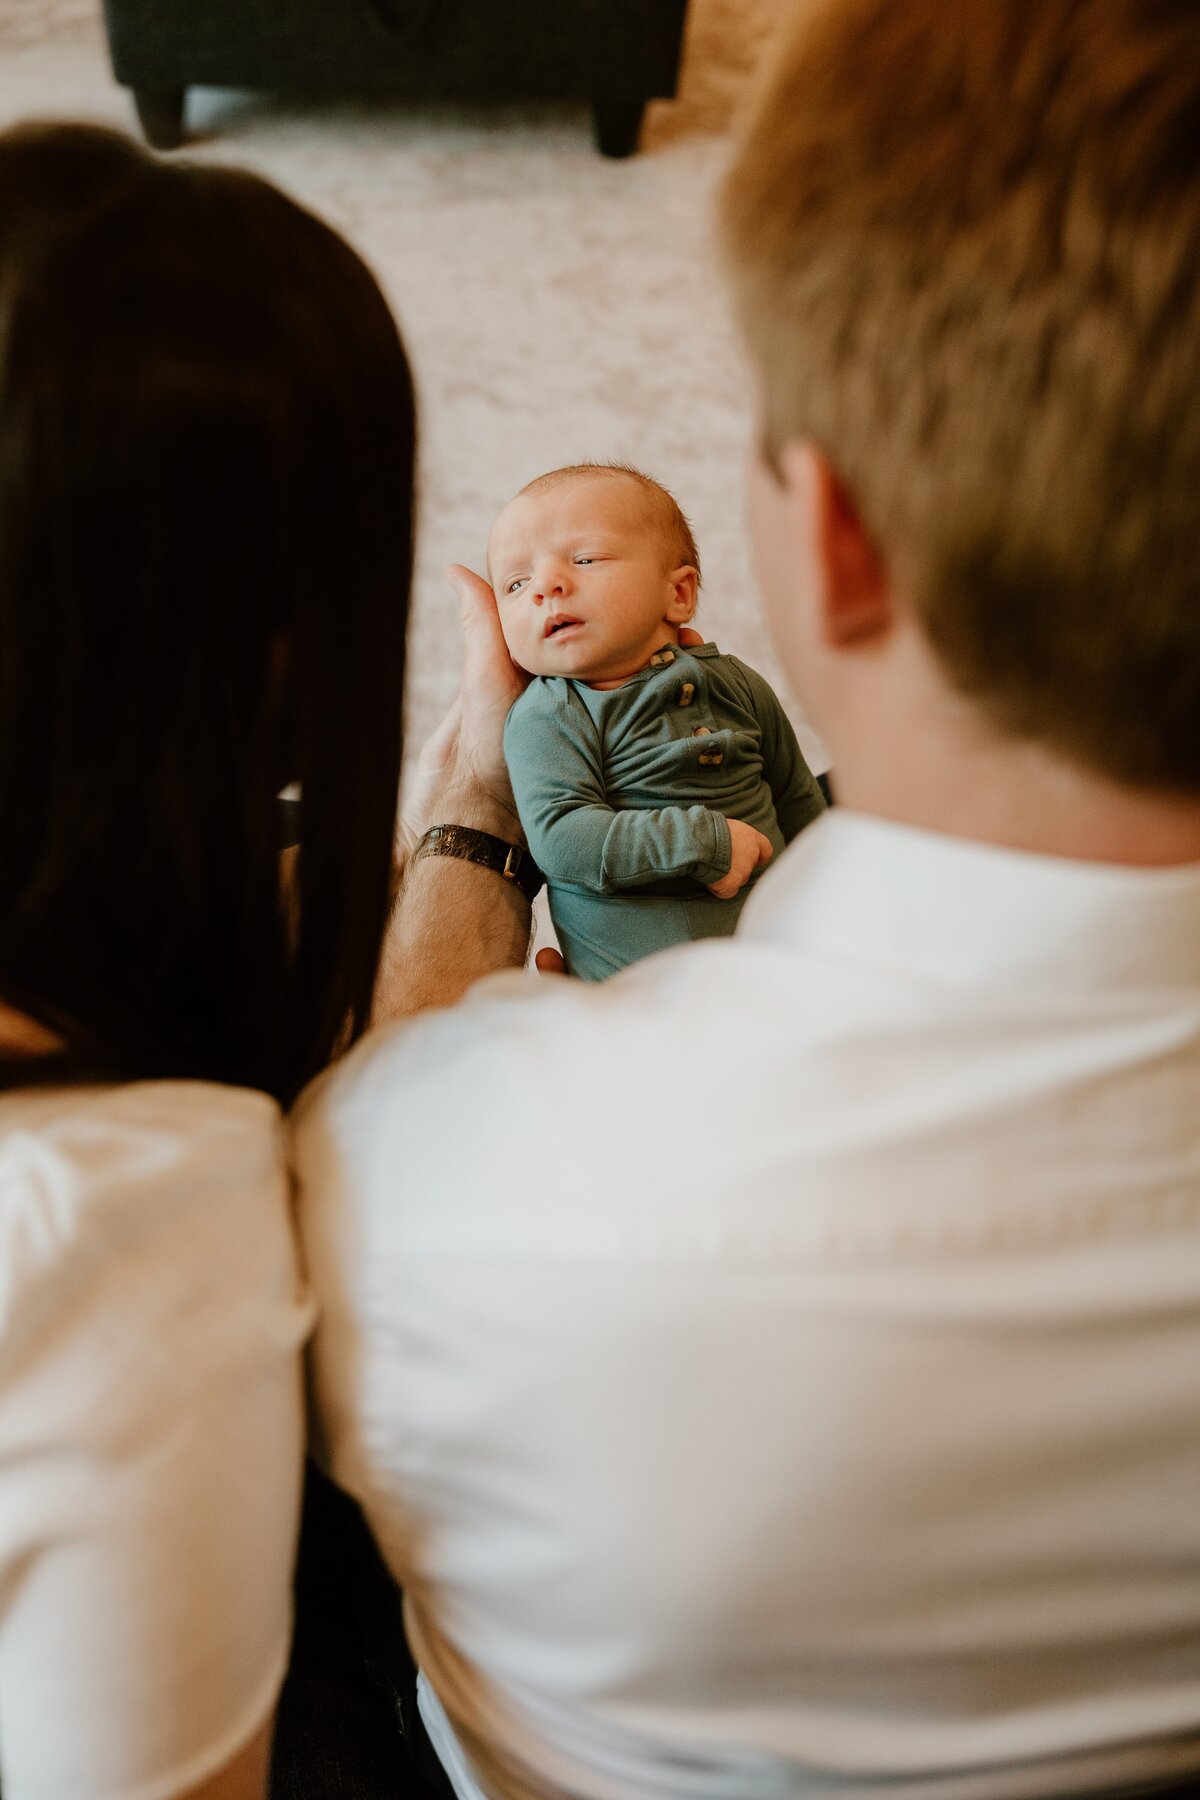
pixel 463 841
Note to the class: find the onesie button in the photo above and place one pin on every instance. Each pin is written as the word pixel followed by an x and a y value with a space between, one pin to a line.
pixel 687 694
pixel 711 758
pixel 661 658
pixel 702 731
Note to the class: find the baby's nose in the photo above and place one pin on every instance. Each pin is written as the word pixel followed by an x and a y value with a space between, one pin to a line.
pixel 550 586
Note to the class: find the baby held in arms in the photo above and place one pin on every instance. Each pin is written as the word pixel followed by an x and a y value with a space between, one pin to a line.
pixel 654 780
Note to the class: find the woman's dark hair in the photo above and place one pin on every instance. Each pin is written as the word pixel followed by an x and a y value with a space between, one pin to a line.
pixel 206 491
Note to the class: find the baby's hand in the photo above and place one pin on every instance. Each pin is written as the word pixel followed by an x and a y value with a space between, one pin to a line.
pixel 751 850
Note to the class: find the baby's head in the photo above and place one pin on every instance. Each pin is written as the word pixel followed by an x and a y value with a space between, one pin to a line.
pixel 594 567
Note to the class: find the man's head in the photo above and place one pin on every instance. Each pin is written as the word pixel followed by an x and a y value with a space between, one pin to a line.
pixel 593 567
pixel 965 247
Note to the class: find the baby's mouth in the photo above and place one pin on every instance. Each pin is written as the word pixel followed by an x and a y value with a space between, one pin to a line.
pixel 559 622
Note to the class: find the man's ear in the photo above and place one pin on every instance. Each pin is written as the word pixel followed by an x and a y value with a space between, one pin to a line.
pixel 855 599
pixel 685 581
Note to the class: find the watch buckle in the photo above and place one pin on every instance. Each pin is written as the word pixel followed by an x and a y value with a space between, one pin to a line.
pixel 512 863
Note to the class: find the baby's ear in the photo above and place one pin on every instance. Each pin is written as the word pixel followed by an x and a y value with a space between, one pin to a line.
pixel 685 582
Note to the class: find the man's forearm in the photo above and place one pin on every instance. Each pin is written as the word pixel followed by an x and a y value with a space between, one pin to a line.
pixel 453 921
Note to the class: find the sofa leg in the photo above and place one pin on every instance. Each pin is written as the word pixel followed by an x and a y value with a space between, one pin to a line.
pixel 160 111
pixel 618 125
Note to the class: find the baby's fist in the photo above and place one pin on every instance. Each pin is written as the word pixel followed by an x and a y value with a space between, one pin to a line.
pixel 750 850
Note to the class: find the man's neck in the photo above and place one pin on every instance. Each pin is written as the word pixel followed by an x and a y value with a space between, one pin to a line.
pixel 1060 814
pixel 925 757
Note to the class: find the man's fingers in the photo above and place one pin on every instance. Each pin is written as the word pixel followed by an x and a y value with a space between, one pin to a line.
pixel 766 851
pixel 549 962
pixel 481 621
pixel 473 591
pixel 487 666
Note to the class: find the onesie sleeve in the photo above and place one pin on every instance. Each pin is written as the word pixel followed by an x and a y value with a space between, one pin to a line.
pixel 151 1442
pixel 554 760
pixel 798 798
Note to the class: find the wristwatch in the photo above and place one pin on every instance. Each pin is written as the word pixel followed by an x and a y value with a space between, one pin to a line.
pixel 509 860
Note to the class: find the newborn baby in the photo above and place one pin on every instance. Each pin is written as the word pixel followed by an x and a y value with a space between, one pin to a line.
pixel 654 780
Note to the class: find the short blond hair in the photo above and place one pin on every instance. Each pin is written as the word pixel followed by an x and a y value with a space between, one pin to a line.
pixel 662 512
pixel 964 245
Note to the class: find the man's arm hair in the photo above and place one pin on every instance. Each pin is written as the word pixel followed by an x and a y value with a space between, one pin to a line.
pixel 453 921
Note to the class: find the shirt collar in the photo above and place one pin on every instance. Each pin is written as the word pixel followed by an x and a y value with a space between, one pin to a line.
pixel 678 652
pixel 858 888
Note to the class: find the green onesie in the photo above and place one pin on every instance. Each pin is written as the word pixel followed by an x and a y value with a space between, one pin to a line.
pixel 624 794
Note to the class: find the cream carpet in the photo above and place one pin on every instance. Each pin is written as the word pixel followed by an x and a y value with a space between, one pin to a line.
pixel 557 306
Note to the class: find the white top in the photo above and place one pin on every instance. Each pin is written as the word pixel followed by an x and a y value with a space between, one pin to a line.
pixel 776 1372
pixel 151 1442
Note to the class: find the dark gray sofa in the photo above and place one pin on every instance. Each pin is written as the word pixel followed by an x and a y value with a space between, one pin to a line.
pixel 617 54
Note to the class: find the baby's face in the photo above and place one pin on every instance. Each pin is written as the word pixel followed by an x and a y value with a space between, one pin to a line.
pixel 583 581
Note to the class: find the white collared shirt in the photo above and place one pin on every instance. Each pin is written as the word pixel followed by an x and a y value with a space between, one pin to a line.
pixel 776 1372
pixel 151 1434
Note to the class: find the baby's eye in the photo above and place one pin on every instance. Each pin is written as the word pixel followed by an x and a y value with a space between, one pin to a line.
pixel 516 582
pixel 585 559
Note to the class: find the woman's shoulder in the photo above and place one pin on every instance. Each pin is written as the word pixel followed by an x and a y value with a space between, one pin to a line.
pixel 190 1108
pixel 151 1324
pixel 81 1148
pixel 153 1200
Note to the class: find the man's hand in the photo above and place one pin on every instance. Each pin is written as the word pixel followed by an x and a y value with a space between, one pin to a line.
pixel 453 923
pixel 474 771
pixel 421 797
pixel 750 851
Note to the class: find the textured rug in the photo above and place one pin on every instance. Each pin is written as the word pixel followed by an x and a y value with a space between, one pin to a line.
pixel 557 306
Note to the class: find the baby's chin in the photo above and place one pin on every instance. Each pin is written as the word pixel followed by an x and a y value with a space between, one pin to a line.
pixel 561 662
pixel 569 671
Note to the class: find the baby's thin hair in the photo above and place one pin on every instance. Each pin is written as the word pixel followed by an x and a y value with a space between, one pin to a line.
pixel 663 511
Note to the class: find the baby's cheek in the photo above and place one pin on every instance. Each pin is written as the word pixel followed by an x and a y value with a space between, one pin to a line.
pixel 523 647
pixel 513 637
